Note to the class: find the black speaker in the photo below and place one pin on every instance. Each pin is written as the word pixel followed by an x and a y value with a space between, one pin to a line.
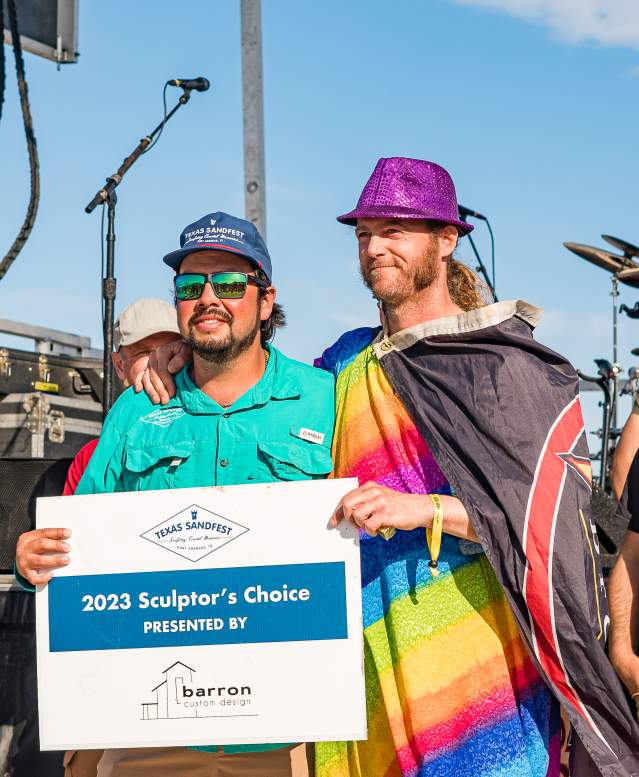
pixel 22 481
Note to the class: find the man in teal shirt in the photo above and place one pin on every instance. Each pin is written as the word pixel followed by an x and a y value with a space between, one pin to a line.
pixel 242 413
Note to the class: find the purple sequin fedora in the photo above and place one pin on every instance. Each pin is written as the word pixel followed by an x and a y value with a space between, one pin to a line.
pixel 403 188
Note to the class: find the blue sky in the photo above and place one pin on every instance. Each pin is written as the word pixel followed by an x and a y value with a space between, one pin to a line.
pixel 531 104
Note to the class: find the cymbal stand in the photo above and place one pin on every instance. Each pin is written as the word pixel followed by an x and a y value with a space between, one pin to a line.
pixel 616 369
pixel 604 379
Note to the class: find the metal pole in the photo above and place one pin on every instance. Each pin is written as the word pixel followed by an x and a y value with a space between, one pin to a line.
pixel 253 103
pixel 108 294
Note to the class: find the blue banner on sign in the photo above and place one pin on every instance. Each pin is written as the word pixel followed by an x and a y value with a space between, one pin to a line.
pixel 285 603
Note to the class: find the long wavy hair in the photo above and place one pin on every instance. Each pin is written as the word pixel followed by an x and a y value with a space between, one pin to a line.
pixel 466 288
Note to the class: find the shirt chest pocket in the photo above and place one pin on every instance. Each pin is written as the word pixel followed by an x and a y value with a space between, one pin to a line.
pixel 157 466
pixel 292 459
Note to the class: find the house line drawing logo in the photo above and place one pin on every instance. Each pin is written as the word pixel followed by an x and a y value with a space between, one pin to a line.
pixel 178 696
pixel 194 532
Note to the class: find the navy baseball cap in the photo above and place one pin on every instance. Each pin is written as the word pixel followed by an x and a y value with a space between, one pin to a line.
pixel 221 232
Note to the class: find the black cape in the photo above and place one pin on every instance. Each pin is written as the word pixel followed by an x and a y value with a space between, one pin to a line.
pixel 501 415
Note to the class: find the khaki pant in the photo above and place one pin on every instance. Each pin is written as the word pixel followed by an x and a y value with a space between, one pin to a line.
pixel 292 761
pixel 81 763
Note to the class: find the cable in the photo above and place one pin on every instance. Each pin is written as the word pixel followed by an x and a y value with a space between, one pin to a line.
pixel 148 148
pixel 34 165
pixel 492 254
pixel 102 255
pixel 2 63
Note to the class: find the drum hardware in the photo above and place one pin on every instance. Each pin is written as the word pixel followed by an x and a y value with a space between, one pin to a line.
pixel 628 275
pixel 623 268
pixel 632 312
pixel 613 434
pixel 606 380
pixel 632 384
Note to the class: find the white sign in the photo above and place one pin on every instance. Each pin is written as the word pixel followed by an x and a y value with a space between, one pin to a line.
pixel 202 616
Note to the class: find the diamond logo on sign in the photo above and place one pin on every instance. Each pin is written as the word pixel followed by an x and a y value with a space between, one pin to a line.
pixel 194 532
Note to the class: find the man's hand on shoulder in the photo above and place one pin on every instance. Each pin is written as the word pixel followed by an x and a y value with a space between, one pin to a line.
pixel 157 379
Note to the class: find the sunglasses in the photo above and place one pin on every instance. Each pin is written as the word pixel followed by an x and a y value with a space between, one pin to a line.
pixel 226 285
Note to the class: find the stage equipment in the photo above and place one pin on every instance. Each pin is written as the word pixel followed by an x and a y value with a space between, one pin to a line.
pixel 623 269
pixel 48 28
pixel 197 84
pixel 613 263
pixel 49 407
pixel 629 250
pixel 50 400
pixel 34 164
pixel 607 380
pixel 22 481
pixel 464 212
pixel 632 312
pixel 106 195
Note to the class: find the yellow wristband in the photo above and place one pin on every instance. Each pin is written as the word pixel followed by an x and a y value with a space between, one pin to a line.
pixel 434 534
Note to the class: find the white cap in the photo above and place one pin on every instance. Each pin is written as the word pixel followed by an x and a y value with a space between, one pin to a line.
pixel 143 318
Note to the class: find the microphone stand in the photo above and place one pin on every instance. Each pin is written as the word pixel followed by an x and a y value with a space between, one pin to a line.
pixel 481 267
pixel 107 195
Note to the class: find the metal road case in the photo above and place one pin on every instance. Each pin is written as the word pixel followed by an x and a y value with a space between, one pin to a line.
pixel 50 406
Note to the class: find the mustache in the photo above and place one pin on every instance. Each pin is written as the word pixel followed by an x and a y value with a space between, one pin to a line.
pixel 210 312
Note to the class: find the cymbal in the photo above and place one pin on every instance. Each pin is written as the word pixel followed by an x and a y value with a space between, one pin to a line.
pixel 621 266
pixel 629 274
pixel 635 352
pixel 628 248
pixel 604 259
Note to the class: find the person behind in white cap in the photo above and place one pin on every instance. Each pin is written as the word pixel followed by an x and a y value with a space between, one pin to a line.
pixel 141 327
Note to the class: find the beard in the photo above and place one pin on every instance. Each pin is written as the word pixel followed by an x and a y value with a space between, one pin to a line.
pixel 224 350
pixel 402 288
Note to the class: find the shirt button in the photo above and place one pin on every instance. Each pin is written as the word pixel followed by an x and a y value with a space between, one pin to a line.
pixel 223 463
pixel 227 415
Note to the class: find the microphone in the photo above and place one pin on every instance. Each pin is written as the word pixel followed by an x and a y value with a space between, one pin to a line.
pixel 199 84
pixel 463 212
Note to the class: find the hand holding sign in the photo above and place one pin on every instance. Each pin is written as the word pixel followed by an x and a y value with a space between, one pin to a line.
pixel 40 551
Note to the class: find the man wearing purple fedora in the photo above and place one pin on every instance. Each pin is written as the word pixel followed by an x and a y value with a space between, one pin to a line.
pixel 482 601
pixel 483 607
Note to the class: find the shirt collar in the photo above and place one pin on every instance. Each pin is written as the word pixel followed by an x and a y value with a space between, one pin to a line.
pixel 462 323
pixel 277 382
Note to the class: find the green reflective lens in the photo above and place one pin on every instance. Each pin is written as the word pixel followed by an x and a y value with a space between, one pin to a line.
pixel 229 285
pixel 226 285
pixel 189 286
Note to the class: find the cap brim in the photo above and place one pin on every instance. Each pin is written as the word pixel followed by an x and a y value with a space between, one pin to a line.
pixel 143 333
pixel 175 258
pixel 352 217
